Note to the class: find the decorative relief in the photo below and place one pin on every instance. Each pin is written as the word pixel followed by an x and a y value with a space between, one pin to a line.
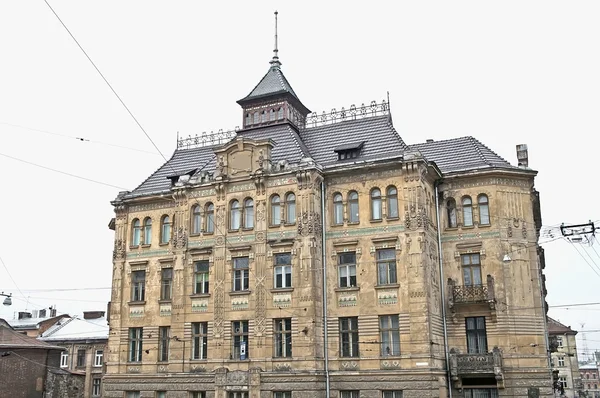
pixel 119 250
pixel 152 206
pixel 240 188
pixel 261 310
pixel 136 311
pixel 365 177
pixel 134 369
pixel 282 300
pixel 200 305
pixel 180 238
pixel 219 308
pixel 237 377
pixel 220 241
pixel 220 217
pixel 165 309
pixel 309 223
pixel 390 364
pixel 260 210
pixel 203 192
pixel 282 367
pixel 260 236
pixel 347 300
pixel 163 369
pixel 349 365
pixel 239 303
pixel 281 181
pixel 418 294
pixel 387 297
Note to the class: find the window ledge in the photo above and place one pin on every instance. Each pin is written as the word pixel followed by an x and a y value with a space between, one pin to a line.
pixel 195 234
pixel 247 229
pixel 451 229
pixel 239 293
pixel 289 224
pixel 347 289
pixel 134 246
pixel 484 225
pixel 281 359
pixel 392 218
pixel 207 233
pixel 336 225
pixel 163 243
pixel 353 222
pixel 233 231
pixel 164 301
pixel 134 362
pixel 274 225
pixel 146 245
pixel 468 227
pixel 376 220
pixel 140 302
pixel 282 290
pixel 199 295
pixel 238 360
pixel 389 286
pixel 199 360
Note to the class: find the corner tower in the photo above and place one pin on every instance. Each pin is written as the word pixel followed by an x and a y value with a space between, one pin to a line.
pixel 273 100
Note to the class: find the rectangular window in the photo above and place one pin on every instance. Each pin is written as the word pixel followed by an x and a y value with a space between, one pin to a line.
pixel 241 274
pixel 386 266
pixel 201 277
pixel 239 330
pixel 480 393
pixel 392 394
pixel 138 285
pixel 389 331
pixel 98 357
pixel 471 269
pixel 561 361
pixel 135 344
pixel 199 340
pixel 282 331
pixel 563 381
pixel 80 358
pixel 96 386
pixel 349 337
pixel 237 394
pixel 347 269
pixel 476 335
pixel 350 394
pixel 282 394
pixel 197 394
pixel 166 283
pixel 161 394
pixel 559 340
pixel 163 343
pixel 133 394
pixel 64 359
pixel 283 270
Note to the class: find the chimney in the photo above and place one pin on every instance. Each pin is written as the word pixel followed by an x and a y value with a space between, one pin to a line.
pixel 52 312
pixel 93 314
pixel 42 313
pixel 522 156
pixel 429 140
pixel 24 315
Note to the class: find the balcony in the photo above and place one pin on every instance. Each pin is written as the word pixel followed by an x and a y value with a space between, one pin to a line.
pixel 472 294
pixel 476 365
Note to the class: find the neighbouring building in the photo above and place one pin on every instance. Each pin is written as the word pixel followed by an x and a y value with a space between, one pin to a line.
pixel 590 380
pixel 564 359
pixel 33 323
pixel 84 341
pixel 314 255
pixel 29 368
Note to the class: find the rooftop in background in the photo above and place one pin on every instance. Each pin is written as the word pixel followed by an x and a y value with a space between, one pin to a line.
pixel 556 328
pixel 589 366
pixel 12 339
pixel 78 328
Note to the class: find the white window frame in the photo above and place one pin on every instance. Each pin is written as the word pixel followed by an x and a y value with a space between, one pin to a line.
pixel 98 357
pixel 96 387
pixel 64 359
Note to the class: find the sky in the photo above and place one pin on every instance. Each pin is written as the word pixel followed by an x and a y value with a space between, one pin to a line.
pixel 507 73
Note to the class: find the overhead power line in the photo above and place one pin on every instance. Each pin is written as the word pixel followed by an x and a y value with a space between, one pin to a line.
pixel 107 82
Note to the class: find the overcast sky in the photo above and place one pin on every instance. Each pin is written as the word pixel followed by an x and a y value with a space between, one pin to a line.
pixel 511 72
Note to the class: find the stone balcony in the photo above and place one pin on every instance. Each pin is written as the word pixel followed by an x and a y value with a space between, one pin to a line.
pixel 473 294
pixel 476 365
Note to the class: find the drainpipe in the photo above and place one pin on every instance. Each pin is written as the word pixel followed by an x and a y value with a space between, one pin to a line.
pixel 324 262
pixel 442 289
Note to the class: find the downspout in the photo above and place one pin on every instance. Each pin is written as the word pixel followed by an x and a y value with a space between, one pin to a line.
pixel 442 289
pixel 324 262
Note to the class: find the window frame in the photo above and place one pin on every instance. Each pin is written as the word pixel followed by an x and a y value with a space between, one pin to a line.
pixel 275 213
pixel 451 213
pixel 282 394
pixel 241 275
pixel 202 272
pixel 164 339
pixel 138 285
pixel 391 271
pixel 477 335
pixel 473 267
pixel 350 270
pixel 483 202
pixel 165 229
pixel 147 226
pixel 135 344
pixel 136 232
pixel 235 215
pixel 349 394
pixel 391 199
pixel 338 209
pixel 389 329
pixel 353 217
pixel 96 387
pixel 196 220
pixel 282 338
pixel 467 211
pixel 166 284
pixel 290 208
pixel 282 269
pixel 391 394
pixel 248 213
pixel 199 341
pixel 209 218
pixel 98 358
pixel 375 196
pixel 349 343
pixel 64 359
pixel 81 354
pixel 561 362
pixel 240 331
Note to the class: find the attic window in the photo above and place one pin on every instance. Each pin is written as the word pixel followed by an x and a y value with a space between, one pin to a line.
pixel 349 151
pixel 183 177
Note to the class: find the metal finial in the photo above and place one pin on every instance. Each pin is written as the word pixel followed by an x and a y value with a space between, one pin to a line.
pixel 275 60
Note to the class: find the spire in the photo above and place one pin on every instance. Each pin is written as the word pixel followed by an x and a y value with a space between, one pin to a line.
pixel 275 61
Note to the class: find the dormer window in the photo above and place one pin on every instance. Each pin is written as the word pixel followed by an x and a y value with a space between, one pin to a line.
pixel 349 151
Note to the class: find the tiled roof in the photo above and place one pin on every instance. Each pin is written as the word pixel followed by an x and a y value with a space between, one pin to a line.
pixel 589 366
pixel 274 82
pixel 461 154
pixel 555 327
pixel 379 136
pixel 77 329
pixel 12 339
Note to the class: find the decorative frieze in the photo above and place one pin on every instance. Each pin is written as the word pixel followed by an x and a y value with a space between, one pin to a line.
pixel 148 253
pixel 367 231
pixel 239 303
pixel 152 206
pixel 203 193
pixel 347 300
pixel 277 182
pixel 282 300
pixel 136 311
pixel 386 297
pixel 199 304
pixel 389 364
pixel 240 187
pixel 165 309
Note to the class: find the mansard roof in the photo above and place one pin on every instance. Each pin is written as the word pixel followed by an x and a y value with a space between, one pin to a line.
pixel 272 83
pixel 461 154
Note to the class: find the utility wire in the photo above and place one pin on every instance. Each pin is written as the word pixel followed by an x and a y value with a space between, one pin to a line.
pixel 10 276
pixel 107 83
pixel 63 172
pixel 584 259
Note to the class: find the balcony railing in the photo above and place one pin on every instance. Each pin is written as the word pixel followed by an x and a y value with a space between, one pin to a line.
pixel 471 294
pixel 490 363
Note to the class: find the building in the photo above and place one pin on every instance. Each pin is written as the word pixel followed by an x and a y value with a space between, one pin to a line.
pixel 590 380
pixel 84 341
pixel 311 255
pixel 35 322
pixel 29 367
pixel 564 359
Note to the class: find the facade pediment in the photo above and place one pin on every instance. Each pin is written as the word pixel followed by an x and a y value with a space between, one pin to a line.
pixel 243 157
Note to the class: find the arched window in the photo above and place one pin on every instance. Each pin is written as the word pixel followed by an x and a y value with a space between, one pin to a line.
pixel 451 208
pixel 275 210
pixel 392 202
pixel 272 115
pixel 263 116
pixel 248 119
pixel 338 209
pixel 256 117
pixel 484 210
pixel 148 231
pixel 136 232
pixel 196 219
pixel 248 213
pixel 165 229
pixel 467 205
pixel 353 206
pixel 280 113
pixel 375 204
pixel 235 216
pixel 290 208
pixel 209 218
